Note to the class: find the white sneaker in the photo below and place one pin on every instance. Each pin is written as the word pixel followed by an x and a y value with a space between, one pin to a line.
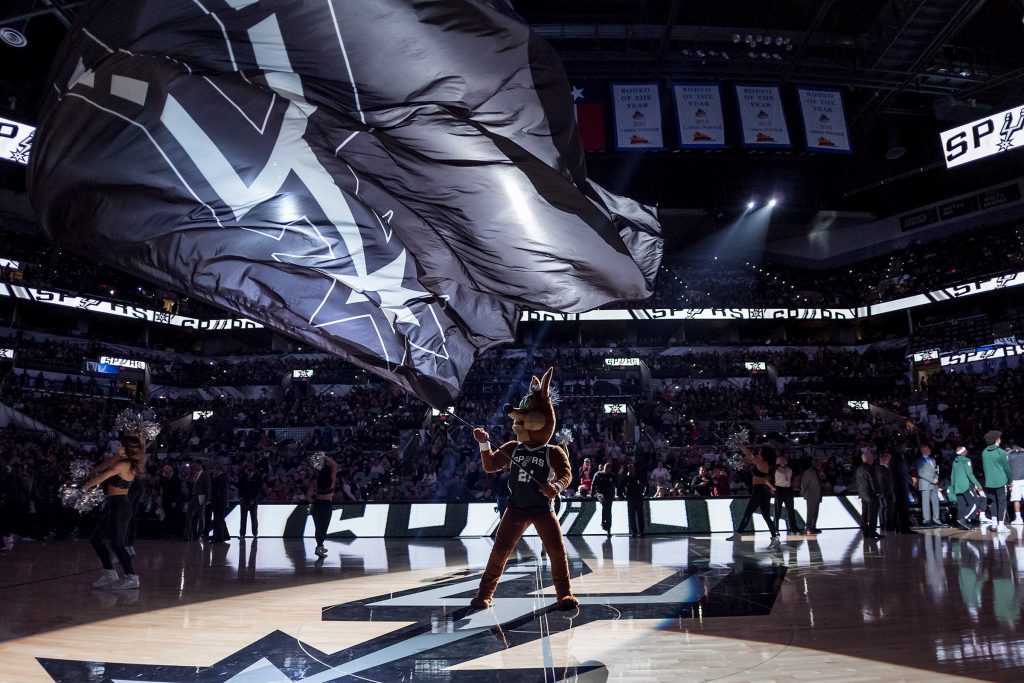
pixel 109 577
pixel 775 544
pixel 985 519
pixel 127 583
pixel 1017 521
pixel 1002 527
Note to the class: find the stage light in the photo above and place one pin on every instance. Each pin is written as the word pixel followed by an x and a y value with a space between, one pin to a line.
pixel 750 205
pixel 772 201
pixel 735 37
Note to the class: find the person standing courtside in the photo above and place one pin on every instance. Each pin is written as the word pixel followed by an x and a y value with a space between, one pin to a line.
pixel 810 489
pixel 928 484
pixel 220 491
pixel 199 486
pixel 604 491
pixel 997 476
pixel 1015 456
pixel 784 493
pixel 867 489
pixel 250 488
pixel 961 482
pixel 886 493
pixel 634 486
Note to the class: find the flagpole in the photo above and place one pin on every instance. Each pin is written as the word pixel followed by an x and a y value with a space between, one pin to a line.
pixel 491 446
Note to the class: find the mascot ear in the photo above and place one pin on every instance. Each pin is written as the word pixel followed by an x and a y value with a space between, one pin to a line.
pixel 534 383
pixel 545 383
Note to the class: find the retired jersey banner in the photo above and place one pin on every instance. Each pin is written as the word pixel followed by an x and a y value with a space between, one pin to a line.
pixel 824 120
pixel 761 116
pixel 699 115
pixel 366 177
pixel 637 116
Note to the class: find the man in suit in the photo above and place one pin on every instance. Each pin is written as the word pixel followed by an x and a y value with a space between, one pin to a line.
pixel 928 484
pixel 604 491
pixel 886 493
pixel 250 488
pixel 219 493
pixel 867 489
pixel 810 489
pixel 634 486
pixel 199 496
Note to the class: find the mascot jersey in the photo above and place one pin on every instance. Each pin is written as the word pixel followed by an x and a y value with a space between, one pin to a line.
pixel 530 468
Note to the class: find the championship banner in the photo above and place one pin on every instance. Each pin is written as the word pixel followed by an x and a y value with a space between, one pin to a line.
pixel 637 109
pixel 983 138
pixel 15 140
pixel 824 120
pixel 761 116
pixel 699 115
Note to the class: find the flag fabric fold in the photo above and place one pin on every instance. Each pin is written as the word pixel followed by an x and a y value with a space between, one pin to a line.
pixel 387 180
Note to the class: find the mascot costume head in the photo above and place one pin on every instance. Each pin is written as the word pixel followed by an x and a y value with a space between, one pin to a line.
pixel 538 472
pixel 533 420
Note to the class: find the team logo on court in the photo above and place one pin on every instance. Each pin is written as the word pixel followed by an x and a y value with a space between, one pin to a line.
pixel 446 634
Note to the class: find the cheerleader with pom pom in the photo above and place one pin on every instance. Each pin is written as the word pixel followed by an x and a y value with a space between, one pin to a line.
pixel 118 477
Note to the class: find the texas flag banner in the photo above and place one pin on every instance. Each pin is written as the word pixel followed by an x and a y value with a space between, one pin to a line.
pixel 389 180
pixel 699 115
pixel 824 120
pixel 761 116
pixel 589 100
pixel 637 116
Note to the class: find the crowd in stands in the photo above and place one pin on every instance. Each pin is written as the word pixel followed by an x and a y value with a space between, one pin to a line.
pixel 390 448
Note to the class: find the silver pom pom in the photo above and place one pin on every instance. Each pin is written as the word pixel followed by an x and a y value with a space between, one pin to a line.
pixel 131 422
pixel 80 470
pixel 740 438
pixel 316 459
pixel 736 460
pixel 72 496
pixel 564 436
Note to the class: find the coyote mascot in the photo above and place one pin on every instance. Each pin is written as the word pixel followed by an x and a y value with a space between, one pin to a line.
pixel 538 471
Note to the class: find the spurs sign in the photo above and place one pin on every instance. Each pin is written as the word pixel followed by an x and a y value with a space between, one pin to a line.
pixel 983 138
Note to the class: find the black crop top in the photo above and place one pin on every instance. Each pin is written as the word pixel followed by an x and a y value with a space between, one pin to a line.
pixel 118 482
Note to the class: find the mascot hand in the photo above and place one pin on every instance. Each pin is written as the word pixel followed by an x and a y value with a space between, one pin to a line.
pixel 481 435
pixel 549 491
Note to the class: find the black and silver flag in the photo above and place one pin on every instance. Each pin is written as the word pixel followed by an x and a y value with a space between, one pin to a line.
pixel 385 179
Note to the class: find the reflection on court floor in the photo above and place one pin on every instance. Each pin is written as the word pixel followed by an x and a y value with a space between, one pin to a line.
pixel 832 607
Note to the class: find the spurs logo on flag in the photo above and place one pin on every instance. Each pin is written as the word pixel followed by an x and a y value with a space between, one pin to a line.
pixel 262 157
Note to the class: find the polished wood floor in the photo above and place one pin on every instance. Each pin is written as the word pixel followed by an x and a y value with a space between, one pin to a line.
pixel 934 606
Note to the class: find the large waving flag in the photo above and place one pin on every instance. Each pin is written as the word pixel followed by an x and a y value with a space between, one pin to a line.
pixel 386 179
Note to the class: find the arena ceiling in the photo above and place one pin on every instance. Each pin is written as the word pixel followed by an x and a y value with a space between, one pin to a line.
pixel 907 68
